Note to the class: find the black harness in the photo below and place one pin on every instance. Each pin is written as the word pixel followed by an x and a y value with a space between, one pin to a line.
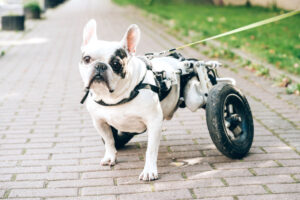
pixel 155 88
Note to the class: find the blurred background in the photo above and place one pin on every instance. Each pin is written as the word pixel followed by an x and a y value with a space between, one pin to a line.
pixel 274 46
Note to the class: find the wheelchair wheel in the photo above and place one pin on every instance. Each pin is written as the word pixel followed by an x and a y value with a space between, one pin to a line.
pixel 229 120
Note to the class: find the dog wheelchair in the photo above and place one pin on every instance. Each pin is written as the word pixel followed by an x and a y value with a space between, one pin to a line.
pixel 228 114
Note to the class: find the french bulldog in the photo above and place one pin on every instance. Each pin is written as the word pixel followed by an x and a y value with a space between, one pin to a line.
pixel 111 71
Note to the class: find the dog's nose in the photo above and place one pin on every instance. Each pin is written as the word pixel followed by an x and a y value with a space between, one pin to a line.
pixel 100 67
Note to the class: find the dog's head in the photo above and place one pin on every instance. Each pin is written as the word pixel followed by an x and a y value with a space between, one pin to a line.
pixel 103 64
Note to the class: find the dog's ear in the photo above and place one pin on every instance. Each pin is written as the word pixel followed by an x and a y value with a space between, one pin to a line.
pixel 89 32
pixel 131 38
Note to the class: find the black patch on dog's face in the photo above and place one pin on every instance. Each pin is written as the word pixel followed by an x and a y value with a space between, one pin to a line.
pixel 118 62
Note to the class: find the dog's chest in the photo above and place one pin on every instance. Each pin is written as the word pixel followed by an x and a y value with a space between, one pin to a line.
pixel 129 123
pixel 123 119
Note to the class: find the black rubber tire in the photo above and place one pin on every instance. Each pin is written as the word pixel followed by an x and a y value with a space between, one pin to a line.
pixel 233 147
pixel 121 138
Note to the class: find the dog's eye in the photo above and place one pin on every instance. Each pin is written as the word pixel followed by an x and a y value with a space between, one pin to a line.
pixel 115 64
pixel 86 59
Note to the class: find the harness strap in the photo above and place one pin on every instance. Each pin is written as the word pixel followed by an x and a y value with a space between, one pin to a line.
pixel 139 86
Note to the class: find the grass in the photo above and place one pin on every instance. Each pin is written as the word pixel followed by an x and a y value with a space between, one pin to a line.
pixel 277 43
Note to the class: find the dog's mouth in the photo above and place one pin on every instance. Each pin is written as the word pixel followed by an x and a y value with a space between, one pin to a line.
pixel 100 79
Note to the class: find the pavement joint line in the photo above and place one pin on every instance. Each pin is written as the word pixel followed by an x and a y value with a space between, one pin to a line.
pixel 6 194
pixel 280 115
pixel 288 102
pixel 152 187
pixel 46 183
pixel 183 175
pixel 115 181
pixel 235 197
pixel 18 163
pixel 49 168
pixel 212 166
pixel 277 135
pixel 141 157
pixel 202 153
pixel 278 163
pixel 191 190
pixel 164 138
pixel 195 141
pixel 271 130
pixel 223 180
pixel 267 189
pixel 271 109
pixel 261 148
pixel 294 178
pixel 79 192
pixel 277 96
pixel 13 177
pixel 252 171
pixel 23 151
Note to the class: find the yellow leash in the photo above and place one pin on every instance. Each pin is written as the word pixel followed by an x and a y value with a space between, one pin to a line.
pixel 250 26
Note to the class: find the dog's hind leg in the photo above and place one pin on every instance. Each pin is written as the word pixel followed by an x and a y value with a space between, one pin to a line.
pixel 110 150
pixel 154 134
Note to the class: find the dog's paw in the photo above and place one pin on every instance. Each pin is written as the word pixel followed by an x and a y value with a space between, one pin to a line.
pixel 109 160
pixel 148 175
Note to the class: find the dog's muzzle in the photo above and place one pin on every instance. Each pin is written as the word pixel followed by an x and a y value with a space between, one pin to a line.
pixel 100 72
pixel 101 75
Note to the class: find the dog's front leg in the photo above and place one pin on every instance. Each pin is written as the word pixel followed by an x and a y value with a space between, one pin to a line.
pixel 154 133
pixel 110 150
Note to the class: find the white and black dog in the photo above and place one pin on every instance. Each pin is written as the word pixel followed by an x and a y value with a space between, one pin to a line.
pixel 112 72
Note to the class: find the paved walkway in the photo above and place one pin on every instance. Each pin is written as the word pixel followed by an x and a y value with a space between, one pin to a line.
pixel 49 149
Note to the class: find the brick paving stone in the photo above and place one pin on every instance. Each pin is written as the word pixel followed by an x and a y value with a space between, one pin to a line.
pixel 5 177
pixel 47 176
pixel 259 180
pixel 165 195
pixel 243 164
pixel 22 184
pixel 79 168
pixel 25 198
pixel 102 197
pixel 23 170
pixel 105 174
pixel 229 191
pixel 292 196
pixel 161 186
pixel 135 180
pixel 219 198
pixel 292 162
pixel 49 149
pixel 65 192
pixel 2 192
pixel 218 174
pixel 50 162
pixel 277 170
pixel 121 189
pixel 80 183
pixel 284 188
